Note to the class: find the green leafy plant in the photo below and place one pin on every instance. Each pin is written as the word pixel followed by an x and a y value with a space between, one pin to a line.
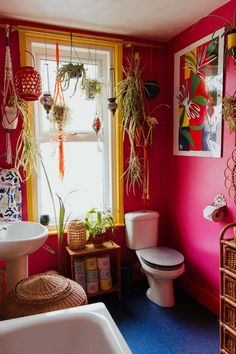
pixel 229 112
pixel 229 34
pixel 92 87
pixel 27 150
pixel 61 219
pixel 137 124
pixel 70 71
pixel 98 221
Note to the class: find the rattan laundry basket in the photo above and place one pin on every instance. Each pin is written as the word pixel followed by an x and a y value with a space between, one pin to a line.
pixel 40 293
pixel 76 235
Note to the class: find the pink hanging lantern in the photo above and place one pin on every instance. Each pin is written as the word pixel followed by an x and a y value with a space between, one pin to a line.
pixel 28 83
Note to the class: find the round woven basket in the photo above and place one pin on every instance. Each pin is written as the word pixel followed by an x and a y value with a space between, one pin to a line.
pixel 41 293
pixel 76 235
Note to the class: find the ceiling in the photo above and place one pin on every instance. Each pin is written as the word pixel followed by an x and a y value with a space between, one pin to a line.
pixel 151 19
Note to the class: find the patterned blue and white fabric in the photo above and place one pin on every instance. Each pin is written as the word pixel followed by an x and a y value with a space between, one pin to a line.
pixel 10 196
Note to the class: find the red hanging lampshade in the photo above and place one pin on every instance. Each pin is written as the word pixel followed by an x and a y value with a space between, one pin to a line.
pixel 28 83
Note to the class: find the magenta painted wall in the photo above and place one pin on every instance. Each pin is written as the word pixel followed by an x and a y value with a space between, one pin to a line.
pixel 193 182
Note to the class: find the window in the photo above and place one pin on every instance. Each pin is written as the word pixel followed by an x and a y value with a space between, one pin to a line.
pixel 93 162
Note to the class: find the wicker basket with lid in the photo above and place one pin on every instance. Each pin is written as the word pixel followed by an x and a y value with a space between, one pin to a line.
pixel 76 234
pixel 41 293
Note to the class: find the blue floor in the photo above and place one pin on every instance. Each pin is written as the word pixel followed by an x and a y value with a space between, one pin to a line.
pixel 187 328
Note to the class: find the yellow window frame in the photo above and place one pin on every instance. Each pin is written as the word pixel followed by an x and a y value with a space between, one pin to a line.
pixel 32 34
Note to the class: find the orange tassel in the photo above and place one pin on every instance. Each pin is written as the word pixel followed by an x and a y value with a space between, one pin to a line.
pixel 61 155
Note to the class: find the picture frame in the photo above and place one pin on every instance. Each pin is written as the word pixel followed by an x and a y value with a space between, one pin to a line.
pixel 198 92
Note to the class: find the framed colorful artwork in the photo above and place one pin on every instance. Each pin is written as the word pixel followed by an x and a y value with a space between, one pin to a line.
pixel 198 90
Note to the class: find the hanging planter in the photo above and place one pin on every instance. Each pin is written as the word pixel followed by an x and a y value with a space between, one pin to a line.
pixel 91 87
pixel 9 107
pixel 60 114
pixel 229 34
pixel 152 89
pixel 69 72
pixel 28 83
pixel 47 100
pixel 229 112
pixel 112 105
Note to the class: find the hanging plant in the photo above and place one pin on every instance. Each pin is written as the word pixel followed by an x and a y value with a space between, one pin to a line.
pixel 229 112
pixel 72 71
pixel 229 34
pixel 91 87
pixel 27 150
pixel 137 125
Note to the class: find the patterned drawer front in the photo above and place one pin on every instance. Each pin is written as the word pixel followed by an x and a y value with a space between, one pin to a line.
pixel 229 315
pixel 229 287
pixel 230 259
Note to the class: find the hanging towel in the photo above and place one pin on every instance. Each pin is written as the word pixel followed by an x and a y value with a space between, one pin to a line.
pixel 10 195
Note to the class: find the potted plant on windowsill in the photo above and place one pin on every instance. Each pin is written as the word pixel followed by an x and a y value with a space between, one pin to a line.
pixel 97 223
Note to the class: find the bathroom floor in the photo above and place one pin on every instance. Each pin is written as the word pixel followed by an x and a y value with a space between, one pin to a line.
pixel 187 328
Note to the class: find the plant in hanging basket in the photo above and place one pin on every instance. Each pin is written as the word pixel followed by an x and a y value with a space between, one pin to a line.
pixel 91 87
pixel 72 71
pixel 229 34
pixel 60 115
pixel 229 112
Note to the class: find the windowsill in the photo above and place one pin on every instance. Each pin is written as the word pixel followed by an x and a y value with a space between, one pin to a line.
pixel 52 231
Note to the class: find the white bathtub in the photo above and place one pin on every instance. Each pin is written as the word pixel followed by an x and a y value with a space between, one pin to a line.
pixel 88 329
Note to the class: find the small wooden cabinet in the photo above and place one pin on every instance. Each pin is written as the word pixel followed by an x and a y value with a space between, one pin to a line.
pixel 108 247
pixel 228 291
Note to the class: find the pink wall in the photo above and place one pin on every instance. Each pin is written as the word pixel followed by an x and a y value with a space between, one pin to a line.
pixel 193 182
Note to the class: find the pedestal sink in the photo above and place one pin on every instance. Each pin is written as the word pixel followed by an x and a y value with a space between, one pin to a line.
pixel 17 241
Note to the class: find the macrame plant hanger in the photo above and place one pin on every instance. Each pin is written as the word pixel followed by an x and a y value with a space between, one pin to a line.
pixel 59 114
pixel 9 105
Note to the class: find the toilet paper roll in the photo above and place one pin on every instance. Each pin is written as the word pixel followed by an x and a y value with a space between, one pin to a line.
pixel 213 213
pixel 80 271
pixel 92 287
pixel 105 284
pixel 90 263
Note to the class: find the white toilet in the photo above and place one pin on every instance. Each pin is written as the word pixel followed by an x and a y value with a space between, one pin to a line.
pixel 160 264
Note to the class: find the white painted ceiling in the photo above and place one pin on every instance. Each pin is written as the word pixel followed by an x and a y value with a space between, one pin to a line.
pixel 151 19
